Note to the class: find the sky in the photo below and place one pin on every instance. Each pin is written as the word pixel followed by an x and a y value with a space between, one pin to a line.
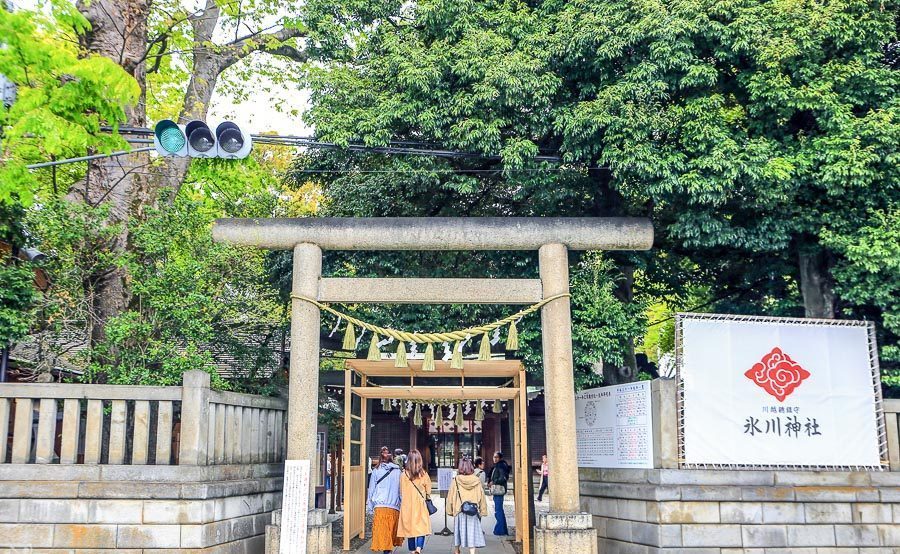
pixel 259 114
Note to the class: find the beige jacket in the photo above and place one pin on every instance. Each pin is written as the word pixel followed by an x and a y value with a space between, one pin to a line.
pixel 466 488
pixel 414 518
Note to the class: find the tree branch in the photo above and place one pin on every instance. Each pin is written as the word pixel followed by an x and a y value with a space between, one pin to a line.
pixel 162 51
pixel 272 43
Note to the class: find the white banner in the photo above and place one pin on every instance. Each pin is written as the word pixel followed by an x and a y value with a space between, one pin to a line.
pixel 777 392
pixel 614 426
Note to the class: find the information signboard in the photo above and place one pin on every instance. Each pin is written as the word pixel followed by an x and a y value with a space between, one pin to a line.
pixel 615 426
pixel 294 507
pixel 778 391
pixel 445 476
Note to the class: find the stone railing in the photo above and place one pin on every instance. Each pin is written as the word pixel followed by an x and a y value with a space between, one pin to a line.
pixel 892 421
pixel 137 425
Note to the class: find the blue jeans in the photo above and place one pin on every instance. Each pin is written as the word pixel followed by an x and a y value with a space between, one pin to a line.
pixel 415 542
pixel 500 526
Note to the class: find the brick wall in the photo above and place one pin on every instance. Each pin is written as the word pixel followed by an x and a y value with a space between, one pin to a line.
pixel 754 512
pixel 137 509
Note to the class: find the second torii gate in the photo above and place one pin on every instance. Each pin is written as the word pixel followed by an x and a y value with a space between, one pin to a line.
pixel 564 528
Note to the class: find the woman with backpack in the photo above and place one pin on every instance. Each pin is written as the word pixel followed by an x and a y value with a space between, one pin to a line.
pixel 384 502
pixel 415 503
pixel 499 480
pixel 466 502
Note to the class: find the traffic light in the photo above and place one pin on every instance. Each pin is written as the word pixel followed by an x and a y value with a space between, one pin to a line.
pixel 197 140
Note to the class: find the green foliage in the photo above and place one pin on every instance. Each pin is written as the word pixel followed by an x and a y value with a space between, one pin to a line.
pixel 746 130
pixel 64 96
pixel 17 299
pixel 194 304
pixel 17 290
pixel 194 300
pixel 868 275
pixel 659 338
pixel 604 327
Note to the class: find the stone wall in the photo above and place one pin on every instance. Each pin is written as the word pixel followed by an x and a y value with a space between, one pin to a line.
pixel 137 509
pixel 755 512
pixel 643 511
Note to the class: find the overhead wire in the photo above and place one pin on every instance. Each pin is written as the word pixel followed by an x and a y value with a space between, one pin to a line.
pixel 411 148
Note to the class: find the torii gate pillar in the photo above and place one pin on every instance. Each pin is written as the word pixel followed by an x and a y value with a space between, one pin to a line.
pixel 565 528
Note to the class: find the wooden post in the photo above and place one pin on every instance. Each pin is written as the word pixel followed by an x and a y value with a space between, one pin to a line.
pixel 516 456
pixel 348 425
pixel 364 447
pixel 522 411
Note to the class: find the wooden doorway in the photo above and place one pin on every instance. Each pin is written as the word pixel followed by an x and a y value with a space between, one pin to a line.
pixel 368 380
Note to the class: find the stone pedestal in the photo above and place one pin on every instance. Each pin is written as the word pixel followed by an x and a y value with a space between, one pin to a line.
pixel 318 533
pixel 565 534
pixel 318 529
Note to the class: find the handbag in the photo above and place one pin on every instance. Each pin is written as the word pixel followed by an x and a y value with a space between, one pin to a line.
pixel 429 505
pixel 498 488
pixel 468 508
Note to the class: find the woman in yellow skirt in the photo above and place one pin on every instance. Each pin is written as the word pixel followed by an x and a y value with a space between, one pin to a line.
pixel 415 489
pixel 384 502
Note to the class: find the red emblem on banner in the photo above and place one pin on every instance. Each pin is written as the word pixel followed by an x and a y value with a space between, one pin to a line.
pixel 777 374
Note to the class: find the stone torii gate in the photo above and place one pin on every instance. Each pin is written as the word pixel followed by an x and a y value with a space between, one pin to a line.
pixel 564 528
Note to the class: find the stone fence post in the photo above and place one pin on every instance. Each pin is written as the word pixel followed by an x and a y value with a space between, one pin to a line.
pixel 664 393
pixel 194 418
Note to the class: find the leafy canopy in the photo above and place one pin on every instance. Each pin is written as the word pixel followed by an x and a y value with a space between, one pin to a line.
pixel 64 96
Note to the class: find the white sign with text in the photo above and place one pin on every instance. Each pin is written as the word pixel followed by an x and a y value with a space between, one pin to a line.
pixel 294 507
pixel 615 426
pixel 777 391
pixel 445 476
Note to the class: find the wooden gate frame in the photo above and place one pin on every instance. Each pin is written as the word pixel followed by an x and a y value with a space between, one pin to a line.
pixel 513 370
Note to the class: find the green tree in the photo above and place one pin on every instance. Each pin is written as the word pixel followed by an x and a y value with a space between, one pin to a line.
pixel 744 129
pixel 63 97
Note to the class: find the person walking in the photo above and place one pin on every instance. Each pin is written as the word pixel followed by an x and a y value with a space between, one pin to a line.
pixel 415 491
pixel 479 471
pixel 498 482
pixel 467 504
pixel 545 477
pixel 384 502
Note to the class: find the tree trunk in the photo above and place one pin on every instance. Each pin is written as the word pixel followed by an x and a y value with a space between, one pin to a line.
pixel 815 284
pixel 206 67
pixel 118 32
pixel 628 372
pixel 608 202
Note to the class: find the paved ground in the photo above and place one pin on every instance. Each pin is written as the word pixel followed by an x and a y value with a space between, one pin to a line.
pixel 438 544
